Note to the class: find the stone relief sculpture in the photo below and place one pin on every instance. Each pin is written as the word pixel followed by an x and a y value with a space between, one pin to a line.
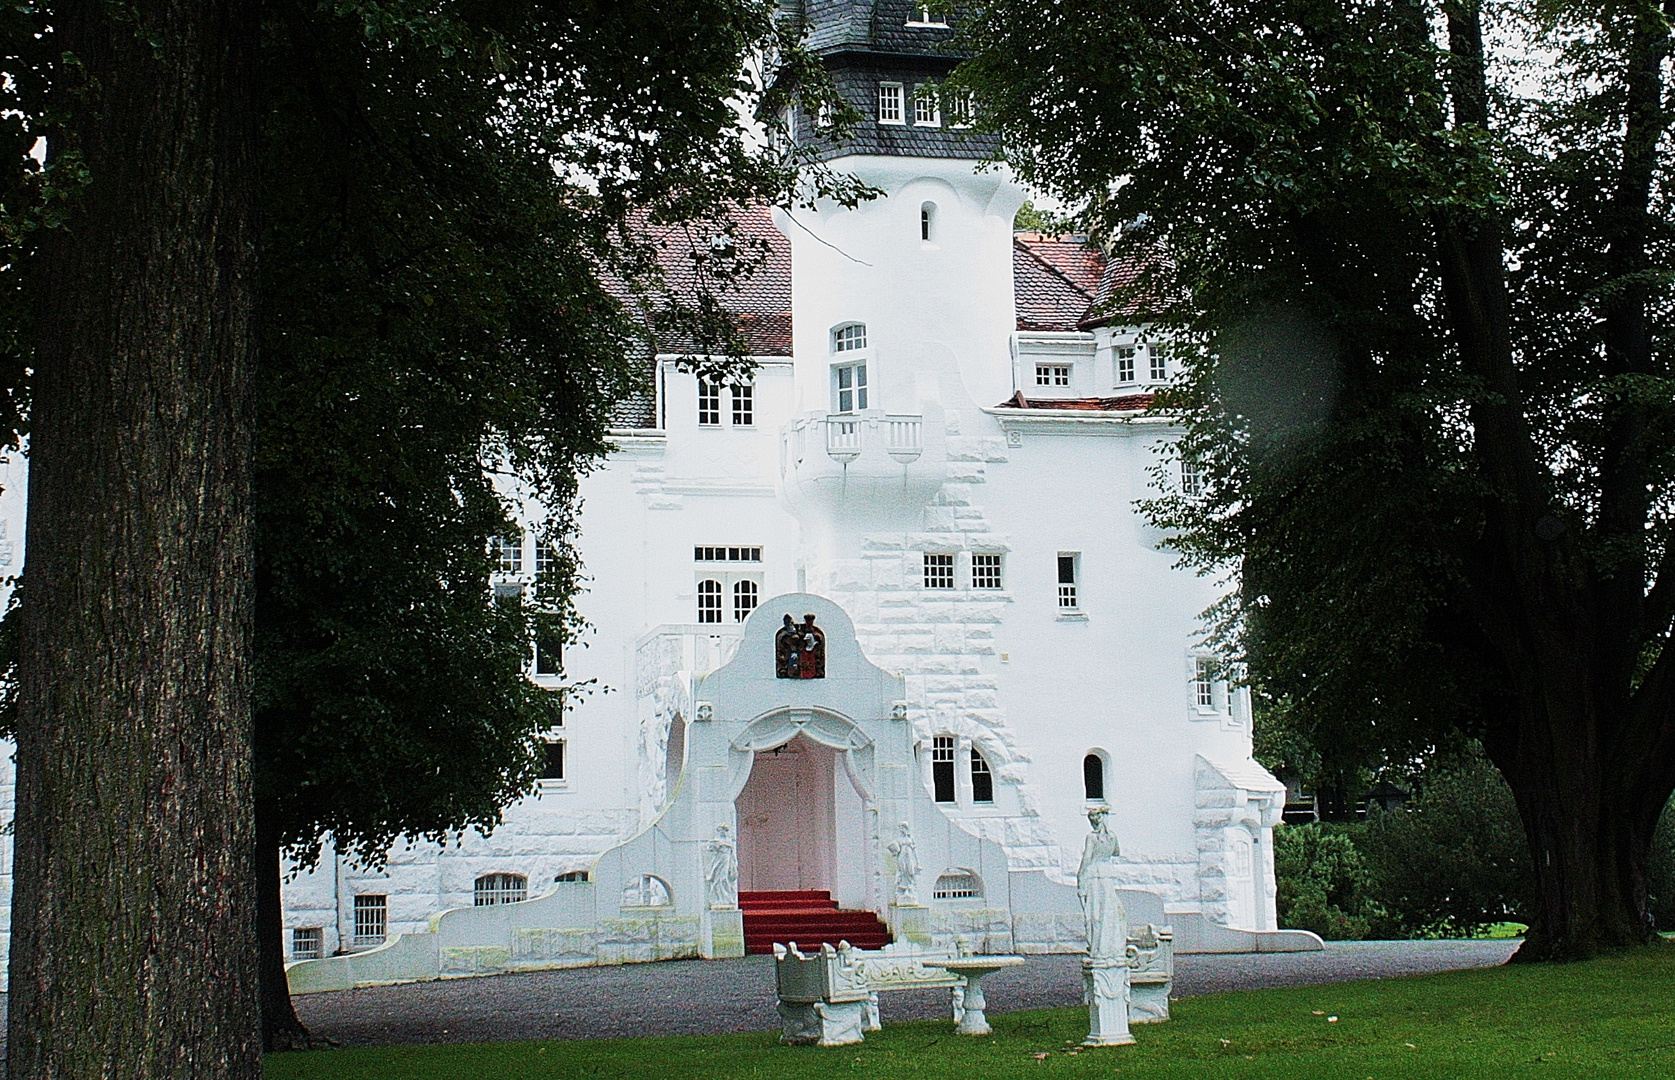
pixel 907 867
pixel 1105 972
pixel 800 651
pixel 722 871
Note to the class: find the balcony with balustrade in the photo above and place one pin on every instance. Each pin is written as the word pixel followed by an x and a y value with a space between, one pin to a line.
pixel 874 456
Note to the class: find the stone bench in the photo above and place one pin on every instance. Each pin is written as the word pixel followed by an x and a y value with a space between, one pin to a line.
pixel 831 997
pixel 1151 973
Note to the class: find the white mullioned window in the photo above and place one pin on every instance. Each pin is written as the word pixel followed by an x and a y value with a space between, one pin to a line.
pixel 509 552
pixel 546 558
pixel 1068 573
pixel 1203 682
pixel 849 389
pixel 942 768
pixel 1125 363
pixel 939 571
pixel 745 596
pixel 961 109
pixel 849 337
pixel 1052 374
pixel 1192 479
pixel 372 919
pixel 709 403
pixel 982 780
pixel 926 111
pixel 890 103
pixel 492 889
pixel 1160 363
pixel 709 601
pixel 926 15
pixel 985 570
pixel 744 404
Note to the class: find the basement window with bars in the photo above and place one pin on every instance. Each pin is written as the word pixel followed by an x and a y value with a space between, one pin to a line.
pixel 961 886
pixel 939 571
pixel 982 780
pixel 308 943
pixel 372 919
pixel 491 889
pixel 942 768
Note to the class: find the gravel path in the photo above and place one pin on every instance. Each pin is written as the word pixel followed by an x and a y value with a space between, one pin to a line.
pixel 698 997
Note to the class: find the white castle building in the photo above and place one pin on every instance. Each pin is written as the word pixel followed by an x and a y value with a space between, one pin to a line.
pixel 937 457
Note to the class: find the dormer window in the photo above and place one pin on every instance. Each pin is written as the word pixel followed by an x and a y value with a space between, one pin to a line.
pixel 1160 363
pixel 1125 363
pixel 890 103
pixel 926 113
pixel 926 15
pixel 960 110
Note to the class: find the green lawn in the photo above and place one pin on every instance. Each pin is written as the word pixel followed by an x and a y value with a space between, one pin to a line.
pixel 1605 1018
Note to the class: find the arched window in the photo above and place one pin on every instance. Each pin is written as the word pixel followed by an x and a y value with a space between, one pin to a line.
pixel 1093 777
pixel 648 890
pixel 491 889
pixel 850 337
pixel 982 780
pixel 957 885
pixel 744 599
pixel 709 601
pixel 927 221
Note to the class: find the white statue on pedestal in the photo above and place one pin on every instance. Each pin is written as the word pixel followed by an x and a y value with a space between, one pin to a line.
pixel 1105 971
pixel 722 873
pixel 907 868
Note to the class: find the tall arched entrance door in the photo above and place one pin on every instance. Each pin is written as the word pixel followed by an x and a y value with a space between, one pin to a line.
pixel 787 819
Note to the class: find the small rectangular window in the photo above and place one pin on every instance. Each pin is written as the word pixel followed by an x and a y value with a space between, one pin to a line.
pixel 709 403
pixel 1203 682
pixel 509 551
pixel 851 393
pixel 982 780
pixel 925 110
pixel 961 110
pixel 939 571
pixel 718 553
pixel 1192 479
pixel 926 15
pixel 1052 374
pixel 1125 364
pixel 549 656
pixel 552 759
pixel 744 405
pixel 889 103
pixel 308 943
pixel 372 919
pixel 942 767
pixel 1067 581
pixel 985 571
pixel 1160 363
pixel 546 558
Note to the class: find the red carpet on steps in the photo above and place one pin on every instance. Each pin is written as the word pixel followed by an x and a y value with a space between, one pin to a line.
pixel 808 918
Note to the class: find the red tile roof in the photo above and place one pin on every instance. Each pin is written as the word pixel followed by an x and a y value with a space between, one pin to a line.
pixel 1125 403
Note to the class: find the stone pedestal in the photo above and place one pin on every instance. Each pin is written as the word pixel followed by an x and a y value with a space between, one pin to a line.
pixel 1105 982
pixel 911 922
pixel 821 1023
pixel 723 934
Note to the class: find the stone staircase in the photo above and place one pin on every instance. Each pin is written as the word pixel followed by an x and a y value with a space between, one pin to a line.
pixel 807 918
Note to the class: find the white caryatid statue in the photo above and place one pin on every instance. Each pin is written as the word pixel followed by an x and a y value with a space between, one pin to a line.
pixel 907 867
pixel 1105 971
pixel 722 873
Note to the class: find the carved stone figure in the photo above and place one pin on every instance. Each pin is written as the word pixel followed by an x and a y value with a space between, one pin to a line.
pixel 722 871
pixel 800 651
pixel 1105 973
pixel 907 867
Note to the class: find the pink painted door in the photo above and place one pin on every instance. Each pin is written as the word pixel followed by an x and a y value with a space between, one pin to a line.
pixel 785 819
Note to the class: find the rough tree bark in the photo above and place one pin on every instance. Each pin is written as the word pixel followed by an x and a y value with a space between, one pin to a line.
pixel 134 948
pixel 1589 755
pixel 281 1029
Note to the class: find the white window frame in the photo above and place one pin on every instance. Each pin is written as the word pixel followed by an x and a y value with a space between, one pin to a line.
pixel 509 553
pixel 979 766
pixel 499 887
pixel 939 570
pixel 891 103
pixel 1208 692
pixel 927 106
pixel 923 15
pixel 1127 357
pixel 961 110
pixel 1053 374
pixel 1158 366
pixel 1069 592
pixel 374 928
pixel 849 337
pixel 709 403
pixel 1192 479
pixel 744 404
pixel 743 588
pixel 711 613
pixel 857 387
pixel 988 569
pixel 563 776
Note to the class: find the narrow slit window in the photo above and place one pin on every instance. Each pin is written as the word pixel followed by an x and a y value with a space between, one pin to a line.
pixel 1093 778
pixel 942 768
pixel 927 221
pixel 982 780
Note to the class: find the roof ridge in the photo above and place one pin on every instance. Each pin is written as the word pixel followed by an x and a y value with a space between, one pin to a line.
pixel 1051 269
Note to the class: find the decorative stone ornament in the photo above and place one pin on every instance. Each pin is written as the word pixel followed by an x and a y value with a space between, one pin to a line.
pixel 800 651
pixel 907 867
pixel 1105 972
pixel 706 712
pixel 898 711
pixel 722 871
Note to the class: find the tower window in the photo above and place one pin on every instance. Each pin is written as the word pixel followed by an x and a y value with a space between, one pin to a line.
pixel 745 595
pixel 925 110
pixel 985 571
pixel 1052 374
pixel 372 919
pixel 982 780
pixel 939 571
pixel 1068 600
pixel 546 558
pixel 1203 682
pixel 927 220
pixel 549 656
pixel 849 337
pixel 552 759
pixel 709 601
pixel 889 103
pixel 1093 778
pixel 744 405
pixel 942 768
pixel 850 392
pixel 1125 363
pixel 491 889
pixel 709 403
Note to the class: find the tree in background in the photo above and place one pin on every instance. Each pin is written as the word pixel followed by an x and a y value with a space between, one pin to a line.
pixel 1418 286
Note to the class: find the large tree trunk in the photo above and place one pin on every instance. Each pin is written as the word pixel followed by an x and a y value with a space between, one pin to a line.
pixel 134 946
pixel 281 1030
